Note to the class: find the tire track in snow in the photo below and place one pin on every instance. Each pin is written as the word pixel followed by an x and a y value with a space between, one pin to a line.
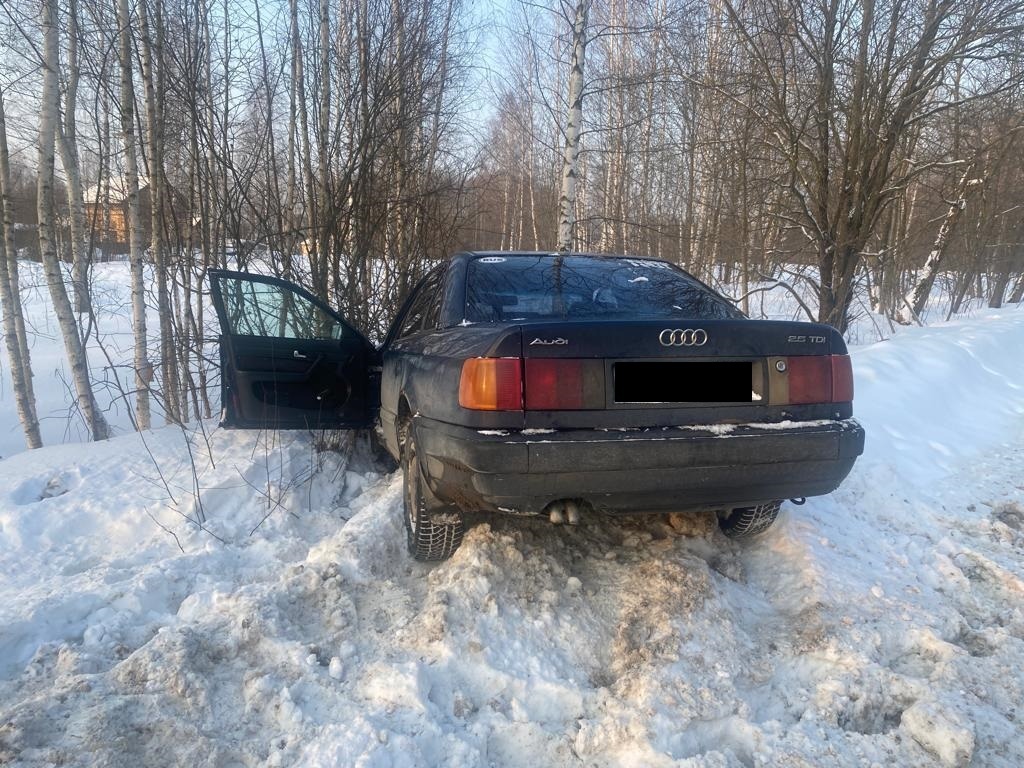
pixel 630 611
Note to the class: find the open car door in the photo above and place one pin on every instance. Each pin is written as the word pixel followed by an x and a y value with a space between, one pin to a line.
pixel 288 361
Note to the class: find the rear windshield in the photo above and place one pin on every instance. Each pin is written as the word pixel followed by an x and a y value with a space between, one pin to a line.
pixel 500 289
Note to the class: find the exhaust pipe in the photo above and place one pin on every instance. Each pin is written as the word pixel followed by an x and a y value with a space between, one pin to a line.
pixel 556 512
pixel 566 511
pixel 572 512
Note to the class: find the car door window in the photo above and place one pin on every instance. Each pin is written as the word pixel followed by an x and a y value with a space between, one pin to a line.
pixel 268 309
pixel 432 311
pixel 425 310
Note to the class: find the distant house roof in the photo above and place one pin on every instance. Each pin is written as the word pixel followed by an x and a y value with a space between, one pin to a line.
pixel 118 190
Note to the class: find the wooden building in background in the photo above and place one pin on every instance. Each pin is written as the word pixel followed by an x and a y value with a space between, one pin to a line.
pixel 106 210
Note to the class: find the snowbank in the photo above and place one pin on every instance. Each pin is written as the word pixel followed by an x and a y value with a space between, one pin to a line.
pixel 881 625
pixel 933 397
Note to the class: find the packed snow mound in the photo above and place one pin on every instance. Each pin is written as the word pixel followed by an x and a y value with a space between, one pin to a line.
pixel 881 625
pixel 932 397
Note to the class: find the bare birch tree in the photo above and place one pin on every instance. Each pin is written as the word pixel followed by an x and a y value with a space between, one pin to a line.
pixel 150 42
pixel 10 301
pixel 48 110
pixel 67 136
pixel 573 127
pixel 917 297
pixel 143 368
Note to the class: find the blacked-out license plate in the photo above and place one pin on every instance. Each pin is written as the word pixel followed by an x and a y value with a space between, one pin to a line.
pixel 696 382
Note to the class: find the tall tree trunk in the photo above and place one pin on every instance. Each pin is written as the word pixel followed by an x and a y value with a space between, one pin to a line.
pixel 1018 291
pixel 570 159
pixel 10 303
pixel 68 142
pixel 278 241
pixel 531 159
pixel 321 266
pixel 49 97
pixel 143 368
pixel 999 283
pixel 1002 268
pixel 916 299
pixel 293 216
pixel 171 385
pixel 312 232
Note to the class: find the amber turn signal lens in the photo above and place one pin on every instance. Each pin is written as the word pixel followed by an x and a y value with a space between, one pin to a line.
pixel 492 384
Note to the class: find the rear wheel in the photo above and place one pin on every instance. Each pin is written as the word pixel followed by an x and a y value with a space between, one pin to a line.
pixel 746 522
pixel 428 538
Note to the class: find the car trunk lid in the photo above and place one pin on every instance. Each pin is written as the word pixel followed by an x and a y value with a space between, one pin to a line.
pixel 677 339
pixel 608 373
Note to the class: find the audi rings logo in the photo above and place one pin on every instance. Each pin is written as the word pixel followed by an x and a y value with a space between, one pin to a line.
pixel 683 337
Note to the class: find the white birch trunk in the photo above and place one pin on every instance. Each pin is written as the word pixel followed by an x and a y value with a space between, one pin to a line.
pixel 143 368
pixel 1018 291
pixel 321 266
pixel 8 214
pixel 68 140
pixel 570 159
pixel 47 241
pixel 292 208
pixel 312 232
pixel 10 303
pixel 531 160
pixel 917 297
pixel 168 359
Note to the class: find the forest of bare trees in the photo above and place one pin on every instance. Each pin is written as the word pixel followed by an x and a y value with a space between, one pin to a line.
pixel 865 154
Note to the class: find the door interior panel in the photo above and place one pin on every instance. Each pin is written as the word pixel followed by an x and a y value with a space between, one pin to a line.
pixel 324 388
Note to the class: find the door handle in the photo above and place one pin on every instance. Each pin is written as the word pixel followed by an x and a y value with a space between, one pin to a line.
pixel 299 356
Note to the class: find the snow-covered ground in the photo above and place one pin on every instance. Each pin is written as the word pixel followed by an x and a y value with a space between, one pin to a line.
pixel 881 625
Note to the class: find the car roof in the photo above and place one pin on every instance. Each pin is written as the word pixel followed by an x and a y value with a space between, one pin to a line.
pixel 469 255
pixel 583 254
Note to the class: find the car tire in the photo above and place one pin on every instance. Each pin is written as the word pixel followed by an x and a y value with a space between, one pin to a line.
pixel 747 522
pixel 428 539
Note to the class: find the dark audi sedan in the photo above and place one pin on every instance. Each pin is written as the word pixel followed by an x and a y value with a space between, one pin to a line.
pixel 556 385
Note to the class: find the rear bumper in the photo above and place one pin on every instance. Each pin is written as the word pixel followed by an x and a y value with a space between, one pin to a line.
pixel 669 468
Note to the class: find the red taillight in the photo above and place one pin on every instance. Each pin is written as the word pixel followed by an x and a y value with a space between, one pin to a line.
pixel 492 384
pixel 842 379
pixel 810 379
pixel 820 379
pixel 554 385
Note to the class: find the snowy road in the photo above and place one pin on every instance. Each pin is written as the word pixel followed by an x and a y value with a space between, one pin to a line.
pixel 882 625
